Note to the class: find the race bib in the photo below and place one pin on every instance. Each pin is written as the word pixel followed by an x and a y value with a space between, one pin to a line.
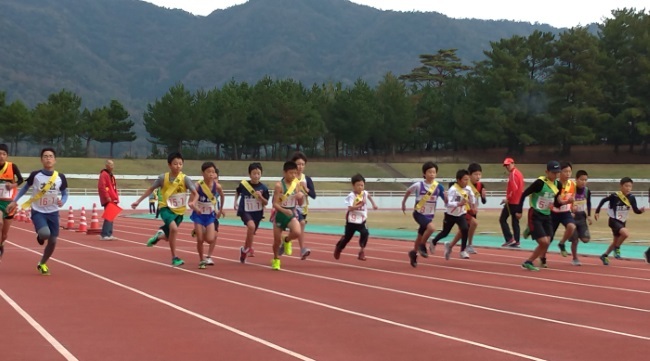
pixel 428 209
pixel 205 207
pixel 4 192
pixel 253 205
pixel 177 200
pixel 289 203
pixel 581 206
pixel 355 217
pixel 621 214
pixel 49 199
pixel 544 203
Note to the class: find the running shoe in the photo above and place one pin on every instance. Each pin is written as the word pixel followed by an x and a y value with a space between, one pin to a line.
pixel 288 249
pixel 242 255
pixel 176 261
pixel 447 250
pixel 43 269
pixel 251 252
pixel 542 263
pixel 529 266
pixel 337 252
pixel 509 243
pixel 432 248
pixel 153 240
pixel 208 261
pixel 471 250
pixel 202 265
pixel 413 257
pixel 605 260
pixel 423 250
pixel 576 262
pixel 304 253
pixel 464 255
pixel 514 245
pixel 275 264
pixel 361 256
pixel 617 253
pixel 563 251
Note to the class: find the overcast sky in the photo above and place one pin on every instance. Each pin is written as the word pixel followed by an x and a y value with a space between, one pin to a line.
pixel 558 13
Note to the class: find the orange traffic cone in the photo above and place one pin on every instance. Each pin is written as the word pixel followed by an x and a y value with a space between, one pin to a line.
pixel 19 215
pixel 94 222
pixel 82 221
pixel 70 224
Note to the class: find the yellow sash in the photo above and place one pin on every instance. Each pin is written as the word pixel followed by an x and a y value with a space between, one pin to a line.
pixel 292 187
pixel 305 207
pixel 4 168
pixel 550 184
pixel 249 188
pixel 427 196
pixel 623 199
pixel 359 198
pixel 174 185
pixel 208 192
pixel 42 192
pixel 462 192
pixel 477 194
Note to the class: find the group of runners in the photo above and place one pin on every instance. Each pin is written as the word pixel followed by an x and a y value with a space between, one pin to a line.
pixel 555 199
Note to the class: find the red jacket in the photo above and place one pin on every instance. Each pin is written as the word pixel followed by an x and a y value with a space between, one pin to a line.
pixel 107 188
pixel 515 186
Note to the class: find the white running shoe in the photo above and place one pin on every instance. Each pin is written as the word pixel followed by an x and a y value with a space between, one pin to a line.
pixel 576 262
pixel 209 261
pixel 464 255
pixel 470 250
pixel 432 248
pixel 447 250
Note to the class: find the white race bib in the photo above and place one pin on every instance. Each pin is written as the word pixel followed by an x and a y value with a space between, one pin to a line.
pixel 621 214
pixel 581 206
pixel 428 209
pixel 49 199
pixel 4 192
pixel 289 202
pixel 252 205
pixel 356 217
pixel 177 200
pixel 544 203
pixel 205 207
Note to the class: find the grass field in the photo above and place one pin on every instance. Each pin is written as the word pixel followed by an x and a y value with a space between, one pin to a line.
pixel 488 223
pixel 316 169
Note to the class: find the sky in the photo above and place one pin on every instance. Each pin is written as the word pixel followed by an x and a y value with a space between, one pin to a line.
pixel 558 13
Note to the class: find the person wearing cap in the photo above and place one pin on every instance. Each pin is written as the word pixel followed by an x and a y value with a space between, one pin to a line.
pixel 545 194
pixel 511 205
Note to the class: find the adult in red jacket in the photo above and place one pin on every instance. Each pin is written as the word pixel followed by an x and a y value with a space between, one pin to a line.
pixel 107 188
pixel 511 206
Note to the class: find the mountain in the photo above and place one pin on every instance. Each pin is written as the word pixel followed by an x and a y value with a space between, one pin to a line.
pixel 134 51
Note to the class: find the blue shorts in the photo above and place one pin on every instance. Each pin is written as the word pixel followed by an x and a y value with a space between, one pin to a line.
pixel 50 220
pixel 204 219
pixel 422 220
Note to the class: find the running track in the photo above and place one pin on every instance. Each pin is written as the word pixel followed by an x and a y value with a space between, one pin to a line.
pixel 120 300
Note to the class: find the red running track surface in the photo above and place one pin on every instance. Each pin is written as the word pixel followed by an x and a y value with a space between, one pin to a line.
pixel 119 300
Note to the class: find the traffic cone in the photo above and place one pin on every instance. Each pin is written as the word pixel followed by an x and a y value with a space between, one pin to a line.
pixel 94 222
pixel 70 224
pixel 18 217
pixel 82 221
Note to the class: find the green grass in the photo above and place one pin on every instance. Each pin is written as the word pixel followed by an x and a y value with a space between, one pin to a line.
pixel 273 170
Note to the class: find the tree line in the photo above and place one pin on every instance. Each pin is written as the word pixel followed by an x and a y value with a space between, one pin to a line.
pixel 558 90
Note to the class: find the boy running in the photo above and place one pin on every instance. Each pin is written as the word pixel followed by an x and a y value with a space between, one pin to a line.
pixel 426 198
pixel 207 212
pixel 478 189
pixel 171 203
pixel 10 179
pixel 545 194
pixel 356 216
pixel 620 204
pixel 563 214
pixel 250 208
pixel 286 196
pixel 307 187
pixel 459 200
pixel 581 216
pixel 46 185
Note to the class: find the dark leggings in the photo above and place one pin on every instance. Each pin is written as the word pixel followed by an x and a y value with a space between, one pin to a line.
pixel 510 210
pixel 350 228
pixel 448 224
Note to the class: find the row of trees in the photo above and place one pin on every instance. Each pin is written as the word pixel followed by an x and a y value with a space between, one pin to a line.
pixel 61 122
pixel 557 90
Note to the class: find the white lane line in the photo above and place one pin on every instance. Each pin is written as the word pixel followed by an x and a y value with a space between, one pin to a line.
pixel 32 322
pixel 176 307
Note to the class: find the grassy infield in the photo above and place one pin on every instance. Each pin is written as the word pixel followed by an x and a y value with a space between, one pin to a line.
pixel 640 225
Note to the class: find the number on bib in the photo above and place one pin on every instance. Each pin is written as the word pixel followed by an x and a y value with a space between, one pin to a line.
pixel 205 207
pixel 177 200
pixel 4 192
pixel 428 209
pixel 252 205
pixel 355 218
pixel 47 200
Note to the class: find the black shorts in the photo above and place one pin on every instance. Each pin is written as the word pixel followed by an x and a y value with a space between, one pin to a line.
pixel 582 228
pixel 256 217
pixel 422 220
pixel 615 225
pixel 540 225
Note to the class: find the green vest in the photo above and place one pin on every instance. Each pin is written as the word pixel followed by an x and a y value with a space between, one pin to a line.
pixel 542 201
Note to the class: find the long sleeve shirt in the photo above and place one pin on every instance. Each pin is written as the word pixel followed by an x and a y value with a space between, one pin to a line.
pixel 617 208
pixel 515 187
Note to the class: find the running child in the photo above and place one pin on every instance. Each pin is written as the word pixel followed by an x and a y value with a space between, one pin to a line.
pixel 307 187
pixel 563 215
pixel 620 204
pixel 427 193
pixel 46 186
pixel 250 208
pixel 544 194
pixel 459 200
pixel 581 216
pixel 171 203
pixel 286 196
pixel 10 179
pixel 478 189
pixel 207 212
pixel 356 216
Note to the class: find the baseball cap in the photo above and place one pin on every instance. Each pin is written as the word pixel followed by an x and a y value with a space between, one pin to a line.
pixel 508 161
pixel 553 166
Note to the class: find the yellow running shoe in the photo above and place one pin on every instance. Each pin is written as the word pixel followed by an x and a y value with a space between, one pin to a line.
pixel 275 264
pixel 42 268
pixel 288 250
